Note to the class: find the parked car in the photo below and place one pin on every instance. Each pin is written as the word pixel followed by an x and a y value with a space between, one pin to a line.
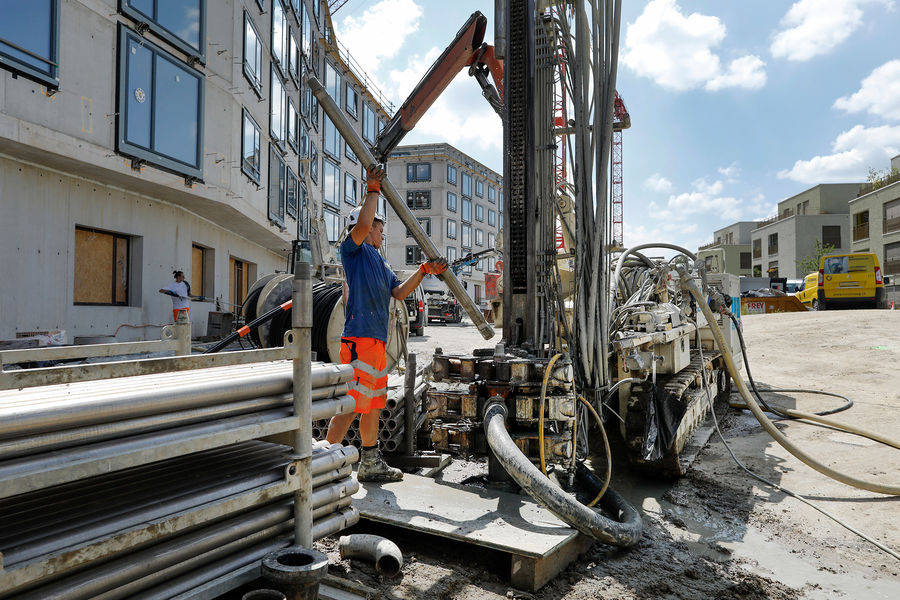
pixel 849 280
pixel 444 308
pixel 793 285
pixel 809 288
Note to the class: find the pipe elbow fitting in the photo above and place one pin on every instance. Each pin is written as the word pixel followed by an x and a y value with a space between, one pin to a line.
pixel 382 551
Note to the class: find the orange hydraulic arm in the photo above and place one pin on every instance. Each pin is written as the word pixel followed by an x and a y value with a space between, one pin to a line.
pixel 467 50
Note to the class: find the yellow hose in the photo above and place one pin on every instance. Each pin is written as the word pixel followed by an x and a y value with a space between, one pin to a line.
pixel 547 372
pixel 879 488
pixel 605 446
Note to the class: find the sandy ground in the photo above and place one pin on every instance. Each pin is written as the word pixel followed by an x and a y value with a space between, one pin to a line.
pixel 717 533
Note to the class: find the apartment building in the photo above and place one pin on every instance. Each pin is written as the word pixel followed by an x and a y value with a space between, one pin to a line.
pixel 730 252
pixel 140 136
pixel 875 217
pixel 820 213
pixel 459 202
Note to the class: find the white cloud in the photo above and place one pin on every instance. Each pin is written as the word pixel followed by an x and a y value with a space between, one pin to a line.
pixel 675 50
pixel 853 153
pixel 814 27
pixel 747 72
pixel 879 93
pixel 732 171
pixel 657 183
pixel 707 200
pixel 365 36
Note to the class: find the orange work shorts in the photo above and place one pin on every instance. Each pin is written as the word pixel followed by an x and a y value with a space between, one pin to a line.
pixel 175 312
pixel 369 359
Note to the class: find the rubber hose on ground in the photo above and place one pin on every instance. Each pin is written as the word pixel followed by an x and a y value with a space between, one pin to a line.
pixel 625 532
pixel 879 488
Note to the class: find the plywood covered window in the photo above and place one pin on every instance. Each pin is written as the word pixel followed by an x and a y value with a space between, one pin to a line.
pixel 241 274
pixel 101 267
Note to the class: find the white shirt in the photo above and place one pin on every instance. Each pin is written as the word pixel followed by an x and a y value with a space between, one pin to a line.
pixel 182 290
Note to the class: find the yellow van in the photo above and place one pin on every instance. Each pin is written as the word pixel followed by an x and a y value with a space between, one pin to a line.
pixel 849 279
pixel 809 289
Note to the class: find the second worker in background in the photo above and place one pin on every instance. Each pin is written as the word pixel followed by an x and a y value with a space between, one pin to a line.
pixel 371 285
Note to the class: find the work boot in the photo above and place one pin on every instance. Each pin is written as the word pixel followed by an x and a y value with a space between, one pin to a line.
pixel 372 467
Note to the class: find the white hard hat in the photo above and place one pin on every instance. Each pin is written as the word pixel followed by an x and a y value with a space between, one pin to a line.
pixel 354 216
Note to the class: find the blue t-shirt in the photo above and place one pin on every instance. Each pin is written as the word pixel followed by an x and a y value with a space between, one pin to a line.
pixel 370 282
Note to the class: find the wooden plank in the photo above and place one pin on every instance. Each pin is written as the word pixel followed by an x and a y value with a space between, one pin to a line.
pixel 494 519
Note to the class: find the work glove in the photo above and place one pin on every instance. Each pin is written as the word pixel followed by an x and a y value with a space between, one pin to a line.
pixel 374 175
pixel 434 267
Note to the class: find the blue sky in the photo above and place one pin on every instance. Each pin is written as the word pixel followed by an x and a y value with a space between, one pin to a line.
pixel 735 105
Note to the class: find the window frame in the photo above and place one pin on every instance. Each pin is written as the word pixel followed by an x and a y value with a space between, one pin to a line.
pixel 367 111
pixel 292 182
pixel 348 177
pixel 279 137
pixel 425 222
pixel 452 169
pixel 279 60
pixel 455 201
pixel 416 197
pixel 463 212
pixel 451 234
pixel 330 69
pixel 479 210
pixel 276 213
pixel 313 162
pixel 462 241
pixel 492 194
pixel 256 83
pixel 479 235
pixel 337 191
pixel 128 275
pixel 479 188
pixel 464 178
pixel 18 66
pixel 245 118
pixel 123 146
pixel 293 122
pixel 452 253
pixel 348 89
pixel 492 217
pixel 329 129
pixel 330 212
pixel 413 169
pixel 166 34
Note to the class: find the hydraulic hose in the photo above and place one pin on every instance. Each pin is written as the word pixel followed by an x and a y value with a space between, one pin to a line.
pixel 626 531
pixel 547 372
pixel 604 485
pixel 879 488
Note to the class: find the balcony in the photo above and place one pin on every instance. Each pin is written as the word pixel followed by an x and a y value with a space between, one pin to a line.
pixel 772 250
pixel 709 245
pixel 870 187
pixel 892 265
pixel 891 225
pixel 757 252
pixel 861 232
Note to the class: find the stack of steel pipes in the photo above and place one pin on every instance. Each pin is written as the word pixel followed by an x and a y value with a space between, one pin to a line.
pixel 156 485
pixel 391 420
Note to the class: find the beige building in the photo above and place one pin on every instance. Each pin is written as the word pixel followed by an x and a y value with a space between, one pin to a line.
pixel 459 202
pixel 730 252
pixel 875 216
pixel 133 144
pixel 820 213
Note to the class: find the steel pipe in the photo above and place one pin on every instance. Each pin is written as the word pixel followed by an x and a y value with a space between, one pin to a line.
pixel 329 476
pixel 364 153
pixel 382 551
pixel 61 413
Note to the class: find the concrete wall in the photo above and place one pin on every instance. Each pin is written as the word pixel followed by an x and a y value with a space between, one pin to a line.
pixel 39 210
pixel 823 198
pixel 726 258
pixel 740 232
pixel 874 203
pixel 796 240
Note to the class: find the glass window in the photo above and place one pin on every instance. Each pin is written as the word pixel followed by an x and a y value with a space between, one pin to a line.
pixel 492 194
pixel 381 125
pixel 303 218
pixel 479 266
pixel 369 123
pixel 351 189
pixel 101 267
pixel 331 140
pixel 466 185
pixel 333 83
pixel 425 222
pixel 331 183
pixel 479 237
pixel 276 185
pixel 892 258
pixel 313 162
pixel 179 22
pixel 451 202
pixel 418 198
pixel 277 108
pixel 348 152
pixel 382 205
pixel 317 9
pixel 479 188
pixel 253 53
pixel 451 174
pixel 492 217
pixel 466 210
pixel 292 125
pixel 479 212
pixel 250 148
pixel 279 36
pixel 466 237
pixel 492 241
pixel 351 101
pixel 292 198
pixel 414 255
pixel 451 229
pixel 303 149
pixel 160 107
pixel 500 220
pixel 314 112
pixel 500 200
pixel 418 172
pixel 307 33
pixel 332 225
pixel 29 39
pixel 305 98
pixel 451 253
pixel 831 235
pixel 293 56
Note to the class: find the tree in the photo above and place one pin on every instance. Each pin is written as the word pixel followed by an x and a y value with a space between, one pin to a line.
pixel 810 263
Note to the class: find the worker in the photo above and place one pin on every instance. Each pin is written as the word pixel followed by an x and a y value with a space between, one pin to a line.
pixel 371 284
pixel 180 290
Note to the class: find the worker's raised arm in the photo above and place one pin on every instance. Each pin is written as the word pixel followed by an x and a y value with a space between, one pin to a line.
pixel 369 207
pixel 432 267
